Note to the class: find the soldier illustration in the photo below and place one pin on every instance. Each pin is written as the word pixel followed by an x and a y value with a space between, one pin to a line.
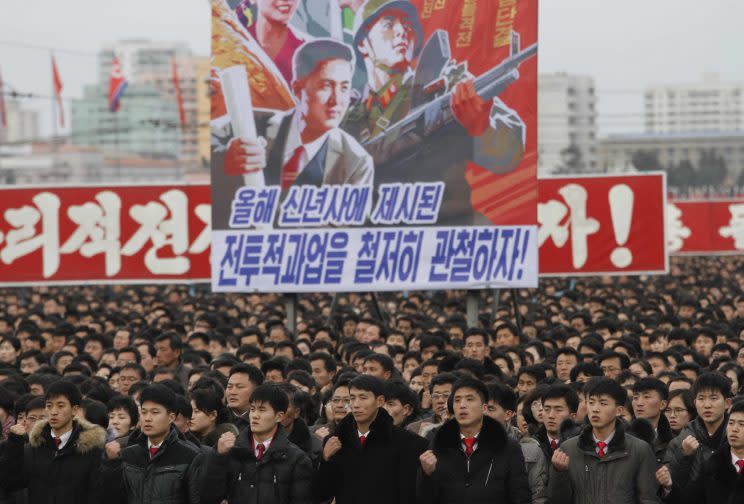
pixel 414 139
pixel 302 146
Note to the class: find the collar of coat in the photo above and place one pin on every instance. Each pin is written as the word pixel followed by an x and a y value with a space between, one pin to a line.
pixel 243 449
pixel 492 436
pixel 300 434
pixel 664 430
pixel 85 436
pixel 381 429
pixel 139 438
pixel 586 439
pixel 721 468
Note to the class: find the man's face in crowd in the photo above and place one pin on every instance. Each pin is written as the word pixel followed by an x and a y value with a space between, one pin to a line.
pixel 657 365
pixel 165 355
pixel 263 418
pixel 238 392
pixel 29 365
pixel 121 339
pixel 428 373
pixel 324 95
pixel 321 376
pixel 251 339
pixel 278 334
pixel 33 416
pixel 390 41
pixel 126 357
pixel 564 364
pixel 686 312
pixel 145 358
pixel 526 383
pixel 398 411
pixel 128 377
pixel 711 406
pixel 396 340
pixel 468 407
pixel 498 413
pixel 735 431
pixel 704 345
pixel 439 396
pixel 364 405
pixel 374 368
pixel 155 420
pixel 648 404
pixel 405 326
pixel 60 413
pixel 8 353
pixel 660 344
pixel 456 333
pixel 602 411
pixel 341 402
pixel 475 348
pixel 611 367
pixel 215 348
pixel 505 337
pixel 555 412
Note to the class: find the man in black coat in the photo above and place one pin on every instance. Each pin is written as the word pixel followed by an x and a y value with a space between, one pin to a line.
pixel 157 466
pixel 261 466
pixel 61 461
pixel 472 459
pixel 369 460
pixel 721 480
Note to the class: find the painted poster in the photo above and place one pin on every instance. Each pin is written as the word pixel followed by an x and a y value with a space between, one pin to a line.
pixel 373 145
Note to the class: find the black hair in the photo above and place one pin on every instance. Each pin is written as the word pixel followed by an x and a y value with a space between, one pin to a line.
pixel 254 374
pixel 383 360
pixel 95 412
pixel 442 379
pixel 270 393
pixel 503 395
pixel 606 386
pixel 475 331
pixel 737 407
pixel 64 388
pixel 137 367
pixel 206 401
pixel 183 406
pixel 35 403
pixel 651 384
pixel 587 368
pixel 274 364
pixel 125 403
pixel 563 392
pixel 712 382
pixel 368 383
pixel 687 400
pixel 467 382
pixel 161 395
pixel 537 372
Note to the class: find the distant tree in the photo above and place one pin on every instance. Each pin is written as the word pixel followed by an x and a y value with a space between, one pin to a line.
pixel 712 169
pixel 646 160
pixel 683 175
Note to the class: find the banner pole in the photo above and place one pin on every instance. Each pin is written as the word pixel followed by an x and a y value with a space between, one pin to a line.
pixel 472 302
pixel 290 305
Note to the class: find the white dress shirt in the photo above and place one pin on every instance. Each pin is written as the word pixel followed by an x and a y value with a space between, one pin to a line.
pixel 64 437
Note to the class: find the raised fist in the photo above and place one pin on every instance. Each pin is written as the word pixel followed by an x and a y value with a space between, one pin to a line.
pixel 113 450
pixel 18 429
pixel 560 460
pixel 690 445
pixel 225 443
pixel 331 448
pixel 428 462
pixel 664 477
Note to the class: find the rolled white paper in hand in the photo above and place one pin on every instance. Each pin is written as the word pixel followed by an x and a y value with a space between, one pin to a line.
pixel 237 93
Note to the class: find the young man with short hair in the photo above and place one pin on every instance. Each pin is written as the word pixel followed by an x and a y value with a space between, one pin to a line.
pixel 472 458
pixel 603 463
pixel 440 388
pixel 61 461
pixel 559 403
pixel 401 403
pixel 722 477
pixel 369 460
pixel 260 466
pixel 244 378
pixel 157 466
pixel 650 399
pixel 690 450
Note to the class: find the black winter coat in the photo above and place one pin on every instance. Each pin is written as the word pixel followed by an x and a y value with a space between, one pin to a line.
pixel 383 471
pixel 495 472
pixel 70 475
pixel 718 483
pixel 172 476
pixel 283 476
pixel 306 441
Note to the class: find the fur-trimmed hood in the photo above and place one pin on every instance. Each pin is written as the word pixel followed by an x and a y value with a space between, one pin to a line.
pixel 85 436
pixel 492 436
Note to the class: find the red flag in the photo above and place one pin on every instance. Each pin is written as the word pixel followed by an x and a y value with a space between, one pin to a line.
pixel 3 117
pixel 117 85
pixel 58 92
pixel 179 96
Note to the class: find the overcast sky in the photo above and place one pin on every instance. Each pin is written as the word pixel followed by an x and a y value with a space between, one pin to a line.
pixel 625 45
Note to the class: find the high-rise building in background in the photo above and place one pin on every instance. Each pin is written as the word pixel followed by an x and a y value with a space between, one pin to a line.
pixel 706 106
pixel 148 120
pixel 23 124
pixel 567 118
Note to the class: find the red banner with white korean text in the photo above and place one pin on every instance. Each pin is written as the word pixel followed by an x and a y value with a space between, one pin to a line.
pixel 104 234
pixel 602 225
pixel 706 227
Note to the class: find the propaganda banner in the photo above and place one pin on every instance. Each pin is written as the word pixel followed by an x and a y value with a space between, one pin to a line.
pixel 373 145
pixel 706 227
pixel 602 225
pixel 104 234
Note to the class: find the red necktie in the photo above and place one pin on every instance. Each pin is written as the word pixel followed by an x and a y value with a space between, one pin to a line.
pixel 261 449
pixel 292 168
pixel 153 451
pixel 362 439
pixel 740 465
pixel 601 447
pixel 469 444
pixel 57 442
pixel 553 444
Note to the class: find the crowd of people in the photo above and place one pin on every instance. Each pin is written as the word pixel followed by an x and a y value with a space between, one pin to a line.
pixel 616 390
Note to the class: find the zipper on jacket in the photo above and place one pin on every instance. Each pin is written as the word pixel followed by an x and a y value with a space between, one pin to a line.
pixel 489 473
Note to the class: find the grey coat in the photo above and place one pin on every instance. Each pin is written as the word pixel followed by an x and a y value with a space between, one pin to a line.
pixel 625 475
pixel 535 464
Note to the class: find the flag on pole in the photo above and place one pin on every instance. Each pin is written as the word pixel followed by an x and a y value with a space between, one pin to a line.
pixel 117 85
pixel 3 116
pixel 57 81
pixel 179 96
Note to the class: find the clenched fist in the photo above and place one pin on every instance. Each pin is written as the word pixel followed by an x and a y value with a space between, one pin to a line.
pixel 18 429
pixel 428 462
pixel 225 443
pixel 113 450
pixel 560 460
pixel 331 448
pixel 664 477
pixel 690 445
pixel 322 433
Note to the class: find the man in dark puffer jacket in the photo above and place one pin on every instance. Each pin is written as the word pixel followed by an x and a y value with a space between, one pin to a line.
pixel 158 467
pixel 261 465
